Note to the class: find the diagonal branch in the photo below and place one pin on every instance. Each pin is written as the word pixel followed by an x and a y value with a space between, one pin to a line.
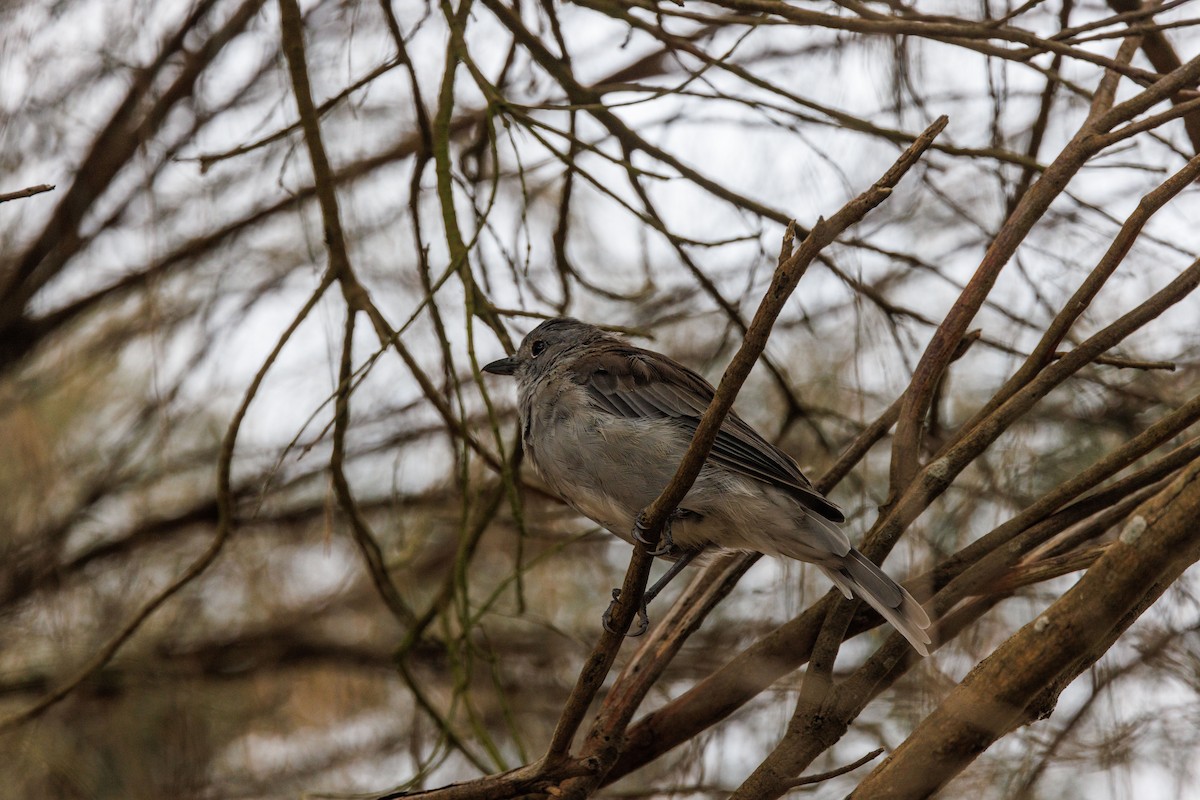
pixel 602 740
pixel 1156 546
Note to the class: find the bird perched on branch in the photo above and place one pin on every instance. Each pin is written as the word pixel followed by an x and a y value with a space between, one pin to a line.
pixel 606 424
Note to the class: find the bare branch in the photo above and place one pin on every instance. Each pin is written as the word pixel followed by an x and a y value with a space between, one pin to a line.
pixel 28 191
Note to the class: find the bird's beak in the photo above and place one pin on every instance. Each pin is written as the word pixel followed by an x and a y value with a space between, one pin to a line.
pixel 503 366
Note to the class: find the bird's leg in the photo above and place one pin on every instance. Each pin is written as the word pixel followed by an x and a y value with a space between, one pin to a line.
pixel 684 559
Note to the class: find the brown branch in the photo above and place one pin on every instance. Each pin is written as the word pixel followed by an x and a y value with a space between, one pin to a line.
pixel 360 529
pixel 112 149
pixel 1157 544
pixel 601 659
pixel 1148 652
pixel 1002 546
pixel 935 477
pixel 808 780
pixel 773 656
pixel 1128 363
pixel 28 191
pixel 964 33
pixel 1161 55
pixel 1062 323
pixel 782 284
pixel 789 646
pixel 1188 109
pixel 1047 568
pixel 602 741
pixel 1029 211
pixel 292 34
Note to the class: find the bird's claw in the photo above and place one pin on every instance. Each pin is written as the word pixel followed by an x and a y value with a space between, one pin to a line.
pixel 643 617
pixel 663 546
pixel 666 547
pixel 643 622
pixel 639 530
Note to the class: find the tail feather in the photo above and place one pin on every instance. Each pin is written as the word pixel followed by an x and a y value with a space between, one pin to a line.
pixel 858 574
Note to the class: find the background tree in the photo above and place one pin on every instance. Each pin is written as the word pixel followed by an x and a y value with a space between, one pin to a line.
pixel 266 529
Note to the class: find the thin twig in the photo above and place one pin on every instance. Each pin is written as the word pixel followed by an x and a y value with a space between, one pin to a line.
pixel 29 191
pixel 808 780
pixel 360 528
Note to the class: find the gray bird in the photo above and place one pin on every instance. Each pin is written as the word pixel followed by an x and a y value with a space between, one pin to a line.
pixel 606 424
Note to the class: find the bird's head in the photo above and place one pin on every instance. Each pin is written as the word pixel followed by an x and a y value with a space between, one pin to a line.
pixel 546 345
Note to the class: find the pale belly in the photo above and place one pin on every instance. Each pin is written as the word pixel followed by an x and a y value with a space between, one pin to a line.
pixel 608 469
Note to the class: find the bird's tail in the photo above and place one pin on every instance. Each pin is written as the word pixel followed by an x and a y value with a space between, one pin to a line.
pixel 858 575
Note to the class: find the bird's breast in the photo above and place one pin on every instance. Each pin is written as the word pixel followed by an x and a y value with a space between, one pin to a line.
pixel 608 468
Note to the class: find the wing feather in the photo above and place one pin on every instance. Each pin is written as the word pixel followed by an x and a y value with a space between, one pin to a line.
pixel 638 384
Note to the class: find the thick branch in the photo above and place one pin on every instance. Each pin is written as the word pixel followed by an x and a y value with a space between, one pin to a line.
pixel 1157 545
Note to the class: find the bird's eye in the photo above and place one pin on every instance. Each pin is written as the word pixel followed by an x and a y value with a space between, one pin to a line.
pixel 538 348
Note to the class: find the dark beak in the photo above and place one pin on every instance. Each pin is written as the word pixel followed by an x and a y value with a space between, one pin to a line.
pixel 503 366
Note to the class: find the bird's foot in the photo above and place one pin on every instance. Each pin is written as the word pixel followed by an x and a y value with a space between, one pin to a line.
pixel 640 526
pixel 665 545
pixel 643 617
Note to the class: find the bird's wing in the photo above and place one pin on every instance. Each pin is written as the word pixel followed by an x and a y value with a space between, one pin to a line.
pixel 638 384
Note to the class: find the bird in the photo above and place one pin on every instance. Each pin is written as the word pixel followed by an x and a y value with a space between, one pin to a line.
pixel 605 425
